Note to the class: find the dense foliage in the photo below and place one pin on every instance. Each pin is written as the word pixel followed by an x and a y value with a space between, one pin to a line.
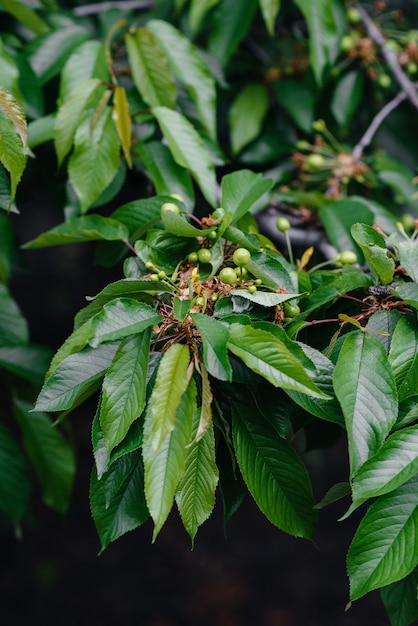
pixel 268 264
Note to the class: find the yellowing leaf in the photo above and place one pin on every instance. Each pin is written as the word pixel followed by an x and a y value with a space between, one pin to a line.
pixel 123 121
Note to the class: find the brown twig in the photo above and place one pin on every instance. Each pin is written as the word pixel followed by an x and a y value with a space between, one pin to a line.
pixel 389 55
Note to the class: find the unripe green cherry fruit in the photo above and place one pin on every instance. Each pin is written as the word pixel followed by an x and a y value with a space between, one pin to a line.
pixel 348 257
pixel 161 274
pixel 241 256
pixel 353 15
pixel 177 196
pixel 192 257
pixel 251 289
pixel 212 235
pixel 347 43
pixel 204 255
pixel 240 271
pixel 315 161
pixel 282 224
pixel 302 145
pixel 228 276
pixel 154 278
pixel 170 207
pixel 258 281
pixel 408 221
pixel 384 81
pixel 290 310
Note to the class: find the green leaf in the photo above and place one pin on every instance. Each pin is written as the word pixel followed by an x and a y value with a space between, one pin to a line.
pixel 78 340
pixel 298 98
pixel 15 483
pixel 69 116
pixel 181 308
pixel 188 149
pixel 75 379
pixel 86 62
pixel 13 139
pixel 29 362
pixel 78 229
pixel 26 16
pixel 400 600
pixel 13 326
pixel 365 387
pixel 41 130
pixel 167 176
pixel 338 217
pixel 385 546
pixel 117 500
pixel 267 356
pixel 94 161
pixel 374 248
pixel 9 73
pixel 241 189
pixel 206 399
pixel 264 298
pixel 198 11
pixel 394 464
pixel 215 337
pixel 121 317
pixel 403 356
pixel 150 69
pixel 270 10
pixel 229 27
pixel 128 287
pixel 347 97
pixel 195 495
pixel 170 385
pixel 408 292
pixel 322 34
pixel 247 114
pixel 191 69
pixel 408 256
pixel 178 225
pixel 6 202
pixel 164 467
pixel 124 388
pixel 273 472
pixel 382 324
pixel 6 246
pixel 274 271
pixel 52 456
pixel 399 178
pixel 47 54
pixel 322 370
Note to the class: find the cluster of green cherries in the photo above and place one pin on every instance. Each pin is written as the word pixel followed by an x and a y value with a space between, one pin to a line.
pixel 241 258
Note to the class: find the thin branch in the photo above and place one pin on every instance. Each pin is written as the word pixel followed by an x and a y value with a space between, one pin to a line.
pixel 389 55
pixel 91 9
pixel 377 120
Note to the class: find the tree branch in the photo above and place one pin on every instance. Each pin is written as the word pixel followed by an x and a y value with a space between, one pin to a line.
pixel 91 9
pixel 377 120
pixel 389 55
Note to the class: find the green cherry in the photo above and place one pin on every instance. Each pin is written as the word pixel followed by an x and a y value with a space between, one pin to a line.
pixel 228 276
pixel 290 310
pixel 170 207
pixel 347 257
pixel 192 257
pixel 241 256
pixel 204 255
pixel 282 224
pixel 315 161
